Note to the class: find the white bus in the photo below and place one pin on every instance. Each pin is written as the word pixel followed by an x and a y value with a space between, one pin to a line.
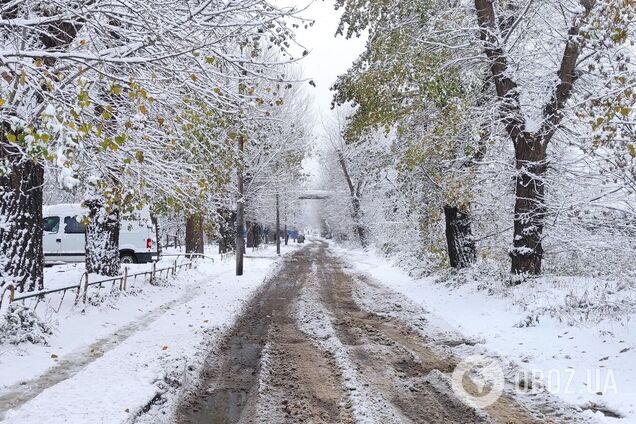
pixel 64 235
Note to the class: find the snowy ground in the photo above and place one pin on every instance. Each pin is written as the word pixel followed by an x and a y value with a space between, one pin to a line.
pixel 106 361
pixel 549 327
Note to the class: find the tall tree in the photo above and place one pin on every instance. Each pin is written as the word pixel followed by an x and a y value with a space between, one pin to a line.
pixel 152 58
pixel 51 31
pixel 277 146
pixel 396 85
pixel 530 144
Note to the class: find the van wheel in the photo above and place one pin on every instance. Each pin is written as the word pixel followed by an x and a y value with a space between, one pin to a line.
pixel 127 258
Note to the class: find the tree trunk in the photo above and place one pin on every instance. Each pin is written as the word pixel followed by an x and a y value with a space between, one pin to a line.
pixel 258 236
pixel 194 234
pixel 251 236
pixel 102 239
pixel 227 228
pixel 277 225
pixel 21 255
pixel 459 238
pixel 286 235
pixel 357 218
pixel 355 201
pixel 530 209
pixel 155 221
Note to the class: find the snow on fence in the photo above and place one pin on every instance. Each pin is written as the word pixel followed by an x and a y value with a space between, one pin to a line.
pixel 81 290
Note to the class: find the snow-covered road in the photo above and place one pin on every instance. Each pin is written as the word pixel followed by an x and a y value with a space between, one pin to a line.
pixel 321 344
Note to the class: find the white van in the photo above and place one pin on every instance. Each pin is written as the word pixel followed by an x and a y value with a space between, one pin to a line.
pixel 64 235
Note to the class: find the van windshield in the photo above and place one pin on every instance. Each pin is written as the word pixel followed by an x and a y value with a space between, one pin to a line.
pixel 51 224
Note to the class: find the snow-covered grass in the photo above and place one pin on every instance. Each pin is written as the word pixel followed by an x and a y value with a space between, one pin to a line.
pixel 105 362
pixel 577 334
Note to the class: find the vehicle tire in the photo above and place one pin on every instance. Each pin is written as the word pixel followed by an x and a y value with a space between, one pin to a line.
pixel 127 258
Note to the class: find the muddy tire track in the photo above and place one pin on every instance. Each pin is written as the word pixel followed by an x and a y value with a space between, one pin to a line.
pixel 397 361
pixel 266 370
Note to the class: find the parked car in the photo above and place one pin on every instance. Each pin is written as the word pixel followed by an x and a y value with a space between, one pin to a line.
pixel 64 235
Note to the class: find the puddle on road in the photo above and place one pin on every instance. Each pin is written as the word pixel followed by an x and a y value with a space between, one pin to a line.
pixel 227 387
pixel 227 405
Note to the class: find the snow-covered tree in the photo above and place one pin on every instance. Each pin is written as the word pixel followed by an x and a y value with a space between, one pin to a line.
pixel 79 77
pixel 536 76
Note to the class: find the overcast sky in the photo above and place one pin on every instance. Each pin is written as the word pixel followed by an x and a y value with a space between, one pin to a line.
pixel 329 55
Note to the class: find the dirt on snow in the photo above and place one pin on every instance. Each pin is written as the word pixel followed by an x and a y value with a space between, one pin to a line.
pixel 307 351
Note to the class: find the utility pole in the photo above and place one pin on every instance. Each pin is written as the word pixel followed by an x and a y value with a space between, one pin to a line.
pixel 286 233
pixel 240 204
pixel 277 225
pixel 240 210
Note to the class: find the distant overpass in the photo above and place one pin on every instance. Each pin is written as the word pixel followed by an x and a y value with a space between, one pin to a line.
pixel 316 194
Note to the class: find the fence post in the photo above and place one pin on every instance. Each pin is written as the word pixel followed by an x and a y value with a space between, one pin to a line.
pixel 153 273
pixel 174 270
pixel 79 290
pixel 85 286
pixel 11 289
pixel 124 279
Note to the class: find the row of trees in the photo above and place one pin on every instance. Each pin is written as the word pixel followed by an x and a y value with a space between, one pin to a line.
pixel 502 119
pixel 135 103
